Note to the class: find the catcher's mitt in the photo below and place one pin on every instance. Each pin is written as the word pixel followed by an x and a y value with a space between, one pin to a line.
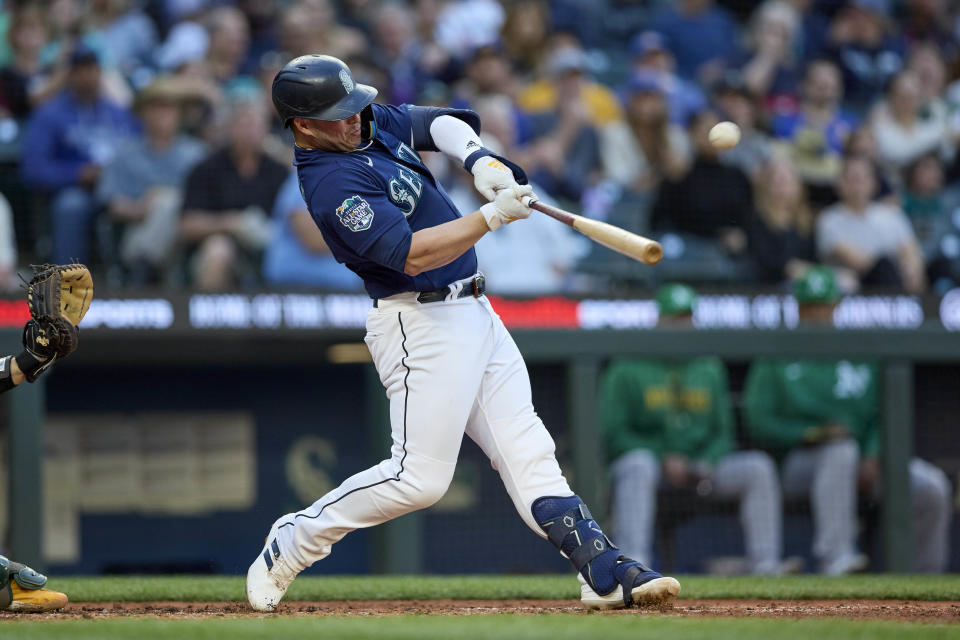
pixel 59 291
pixel 58 296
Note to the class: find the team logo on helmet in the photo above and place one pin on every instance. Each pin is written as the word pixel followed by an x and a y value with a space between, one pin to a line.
pixel 346 80
pixel 355 214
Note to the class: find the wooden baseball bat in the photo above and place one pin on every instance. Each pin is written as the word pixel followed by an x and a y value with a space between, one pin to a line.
pixel 620 240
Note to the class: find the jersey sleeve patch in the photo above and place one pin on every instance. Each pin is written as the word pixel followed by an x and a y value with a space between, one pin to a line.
pixel 355 214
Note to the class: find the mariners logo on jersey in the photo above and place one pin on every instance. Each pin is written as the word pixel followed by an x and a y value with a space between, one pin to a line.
pixel 407 154
pixel 405 190
pixel 355 214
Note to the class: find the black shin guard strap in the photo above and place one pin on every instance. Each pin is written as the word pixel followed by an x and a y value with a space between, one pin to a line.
pixel 629 577
pixel 584 553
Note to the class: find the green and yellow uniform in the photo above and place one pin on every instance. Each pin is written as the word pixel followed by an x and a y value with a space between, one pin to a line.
pixel 680 408
pixel 787 402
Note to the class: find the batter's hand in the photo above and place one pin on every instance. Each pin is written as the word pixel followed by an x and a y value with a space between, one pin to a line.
pixel 490 176
pixel 508 205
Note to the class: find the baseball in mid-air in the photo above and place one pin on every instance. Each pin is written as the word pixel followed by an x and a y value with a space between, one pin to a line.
pixel 724 135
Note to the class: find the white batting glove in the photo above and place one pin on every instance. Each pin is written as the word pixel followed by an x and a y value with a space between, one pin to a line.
pixel 508 205
pixel 490 176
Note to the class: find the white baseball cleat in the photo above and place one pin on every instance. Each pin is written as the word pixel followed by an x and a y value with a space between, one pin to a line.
pixel 656 592
pixel 269 576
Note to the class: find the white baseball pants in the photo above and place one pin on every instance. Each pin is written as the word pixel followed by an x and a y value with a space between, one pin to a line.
pixel 449 368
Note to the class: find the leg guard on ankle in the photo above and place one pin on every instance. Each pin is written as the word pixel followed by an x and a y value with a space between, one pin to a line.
pixel 570 527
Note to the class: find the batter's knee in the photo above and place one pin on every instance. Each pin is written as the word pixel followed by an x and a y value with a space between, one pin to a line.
pixel 422 490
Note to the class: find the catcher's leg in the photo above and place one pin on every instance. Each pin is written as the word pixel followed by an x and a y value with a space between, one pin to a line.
pixel 22 589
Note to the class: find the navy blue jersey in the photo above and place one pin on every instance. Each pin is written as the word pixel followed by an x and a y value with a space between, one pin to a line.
pixel 368 202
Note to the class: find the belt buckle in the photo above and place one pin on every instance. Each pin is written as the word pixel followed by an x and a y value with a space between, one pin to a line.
pixel 479 286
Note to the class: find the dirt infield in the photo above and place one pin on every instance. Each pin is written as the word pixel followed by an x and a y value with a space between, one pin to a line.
pixel 912 611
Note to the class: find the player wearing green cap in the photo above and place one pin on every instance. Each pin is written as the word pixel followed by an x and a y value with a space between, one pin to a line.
pixel 671 423
pixel 819 418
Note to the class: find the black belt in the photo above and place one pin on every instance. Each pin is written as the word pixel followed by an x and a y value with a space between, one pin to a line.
pixel 475 288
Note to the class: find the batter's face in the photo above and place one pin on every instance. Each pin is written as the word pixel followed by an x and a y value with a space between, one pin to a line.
pixel 336 135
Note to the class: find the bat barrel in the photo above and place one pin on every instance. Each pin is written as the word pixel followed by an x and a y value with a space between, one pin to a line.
pixel 613 237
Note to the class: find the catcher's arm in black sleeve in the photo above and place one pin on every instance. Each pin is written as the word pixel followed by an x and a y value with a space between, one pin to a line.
pixel 41 346
pixel 10 373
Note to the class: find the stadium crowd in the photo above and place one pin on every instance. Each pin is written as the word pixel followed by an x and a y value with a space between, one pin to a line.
pixel 138 134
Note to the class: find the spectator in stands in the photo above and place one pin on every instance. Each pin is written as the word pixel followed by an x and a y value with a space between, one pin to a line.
pixel 703 37
pixel 772 67
pixel 8 246
pixel 142 186
pixel 927 203
pixel 311 27
pixel 566 109
pixel 819 417
pixel 67 19
pixel 525 35
pixel 464 25
pixel 905 129
pixel 816 131
pixel 399 52
pixel 646 148
pixel 25 82
pixel 814 29
pixel 781 232
pixel 567 83
pixel 488 72
pixel 735 101
pixel 297 256
pixel 184 49
pixel 931 205
pixel 71 138
pixel 263 21
pixel 711 200
pixel 927 64
pixel 865 45
pixel 928 23
pixel 873 239
pixel 229 36
pixel 670 424
pixel 128 36
pixel 224 222
pixel 863 143
pixel 652 56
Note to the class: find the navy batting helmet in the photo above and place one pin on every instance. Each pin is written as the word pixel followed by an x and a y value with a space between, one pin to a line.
pixel 319 88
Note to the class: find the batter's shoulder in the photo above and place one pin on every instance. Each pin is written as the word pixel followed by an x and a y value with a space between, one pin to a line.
pixel 347 170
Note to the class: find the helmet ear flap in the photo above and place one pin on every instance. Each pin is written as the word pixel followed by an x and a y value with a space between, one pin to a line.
pixel 368 128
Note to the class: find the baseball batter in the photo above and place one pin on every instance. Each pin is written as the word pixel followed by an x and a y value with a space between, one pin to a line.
pixel 446 360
